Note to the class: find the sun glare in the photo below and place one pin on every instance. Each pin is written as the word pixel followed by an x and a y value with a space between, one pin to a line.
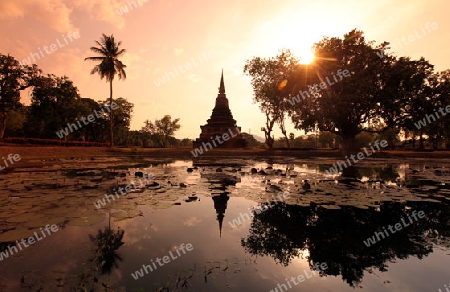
pixel 306 58
pixel 297 30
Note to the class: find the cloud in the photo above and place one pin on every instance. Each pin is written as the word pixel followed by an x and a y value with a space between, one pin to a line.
pixel 135 64
pixel 12 9
pixel 191 221
pixel 143 50
pixel 104 10
pixel 178 51
pixel 194 78
pixel 58 14
pixel 54 13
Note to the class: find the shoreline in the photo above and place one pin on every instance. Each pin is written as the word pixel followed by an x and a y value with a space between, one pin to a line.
pixel 36 154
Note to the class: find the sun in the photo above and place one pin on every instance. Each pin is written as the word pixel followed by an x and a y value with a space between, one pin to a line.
pixel 306 57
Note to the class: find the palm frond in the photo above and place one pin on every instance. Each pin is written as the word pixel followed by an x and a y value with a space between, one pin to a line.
pixel 94 58
pixel 100 51
pixel 120 52
pixel 108 51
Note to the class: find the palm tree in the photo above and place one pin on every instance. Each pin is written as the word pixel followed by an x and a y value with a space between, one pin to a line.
pixel 108 67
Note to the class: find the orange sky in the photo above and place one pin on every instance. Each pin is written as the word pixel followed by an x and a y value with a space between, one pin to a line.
pixel 161 35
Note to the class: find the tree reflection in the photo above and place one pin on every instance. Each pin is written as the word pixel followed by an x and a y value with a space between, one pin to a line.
pixel 384 173
pixel 107 242
pixel 96 275
pixel 336 236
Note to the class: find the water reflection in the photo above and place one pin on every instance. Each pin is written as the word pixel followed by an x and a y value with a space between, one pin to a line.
pixel 104 259
pixel 369 196
pixel 219 183
pixel 220 204
pixel 336 236
pixel 107 242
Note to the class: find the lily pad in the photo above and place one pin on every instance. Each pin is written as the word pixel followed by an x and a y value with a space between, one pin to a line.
pixel 331 207
pixel 17 234
pixel 120 214
pixel 25 217
pixel 162 205
pixel 44 221
pixel 86 221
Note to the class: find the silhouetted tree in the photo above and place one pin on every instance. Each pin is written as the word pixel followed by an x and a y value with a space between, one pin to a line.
pixel 109 52
pixel 438 130
pixel 338 101
pixel 16 121
pixel 13 78
pixel 269 77
pixel 122 119
pixel 161 130
pixel 250 140
pixel 407 94
pixel 54 103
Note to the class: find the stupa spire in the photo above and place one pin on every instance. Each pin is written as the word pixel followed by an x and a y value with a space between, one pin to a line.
pixel 222 85
pixel 220 218
pixel 221 122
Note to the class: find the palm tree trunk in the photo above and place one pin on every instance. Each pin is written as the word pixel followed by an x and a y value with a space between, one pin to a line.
pixel 3 117
pixel 111 134
pixel 421 139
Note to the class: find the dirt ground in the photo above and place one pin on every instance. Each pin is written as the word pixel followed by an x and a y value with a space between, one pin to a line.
pixel 37 154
